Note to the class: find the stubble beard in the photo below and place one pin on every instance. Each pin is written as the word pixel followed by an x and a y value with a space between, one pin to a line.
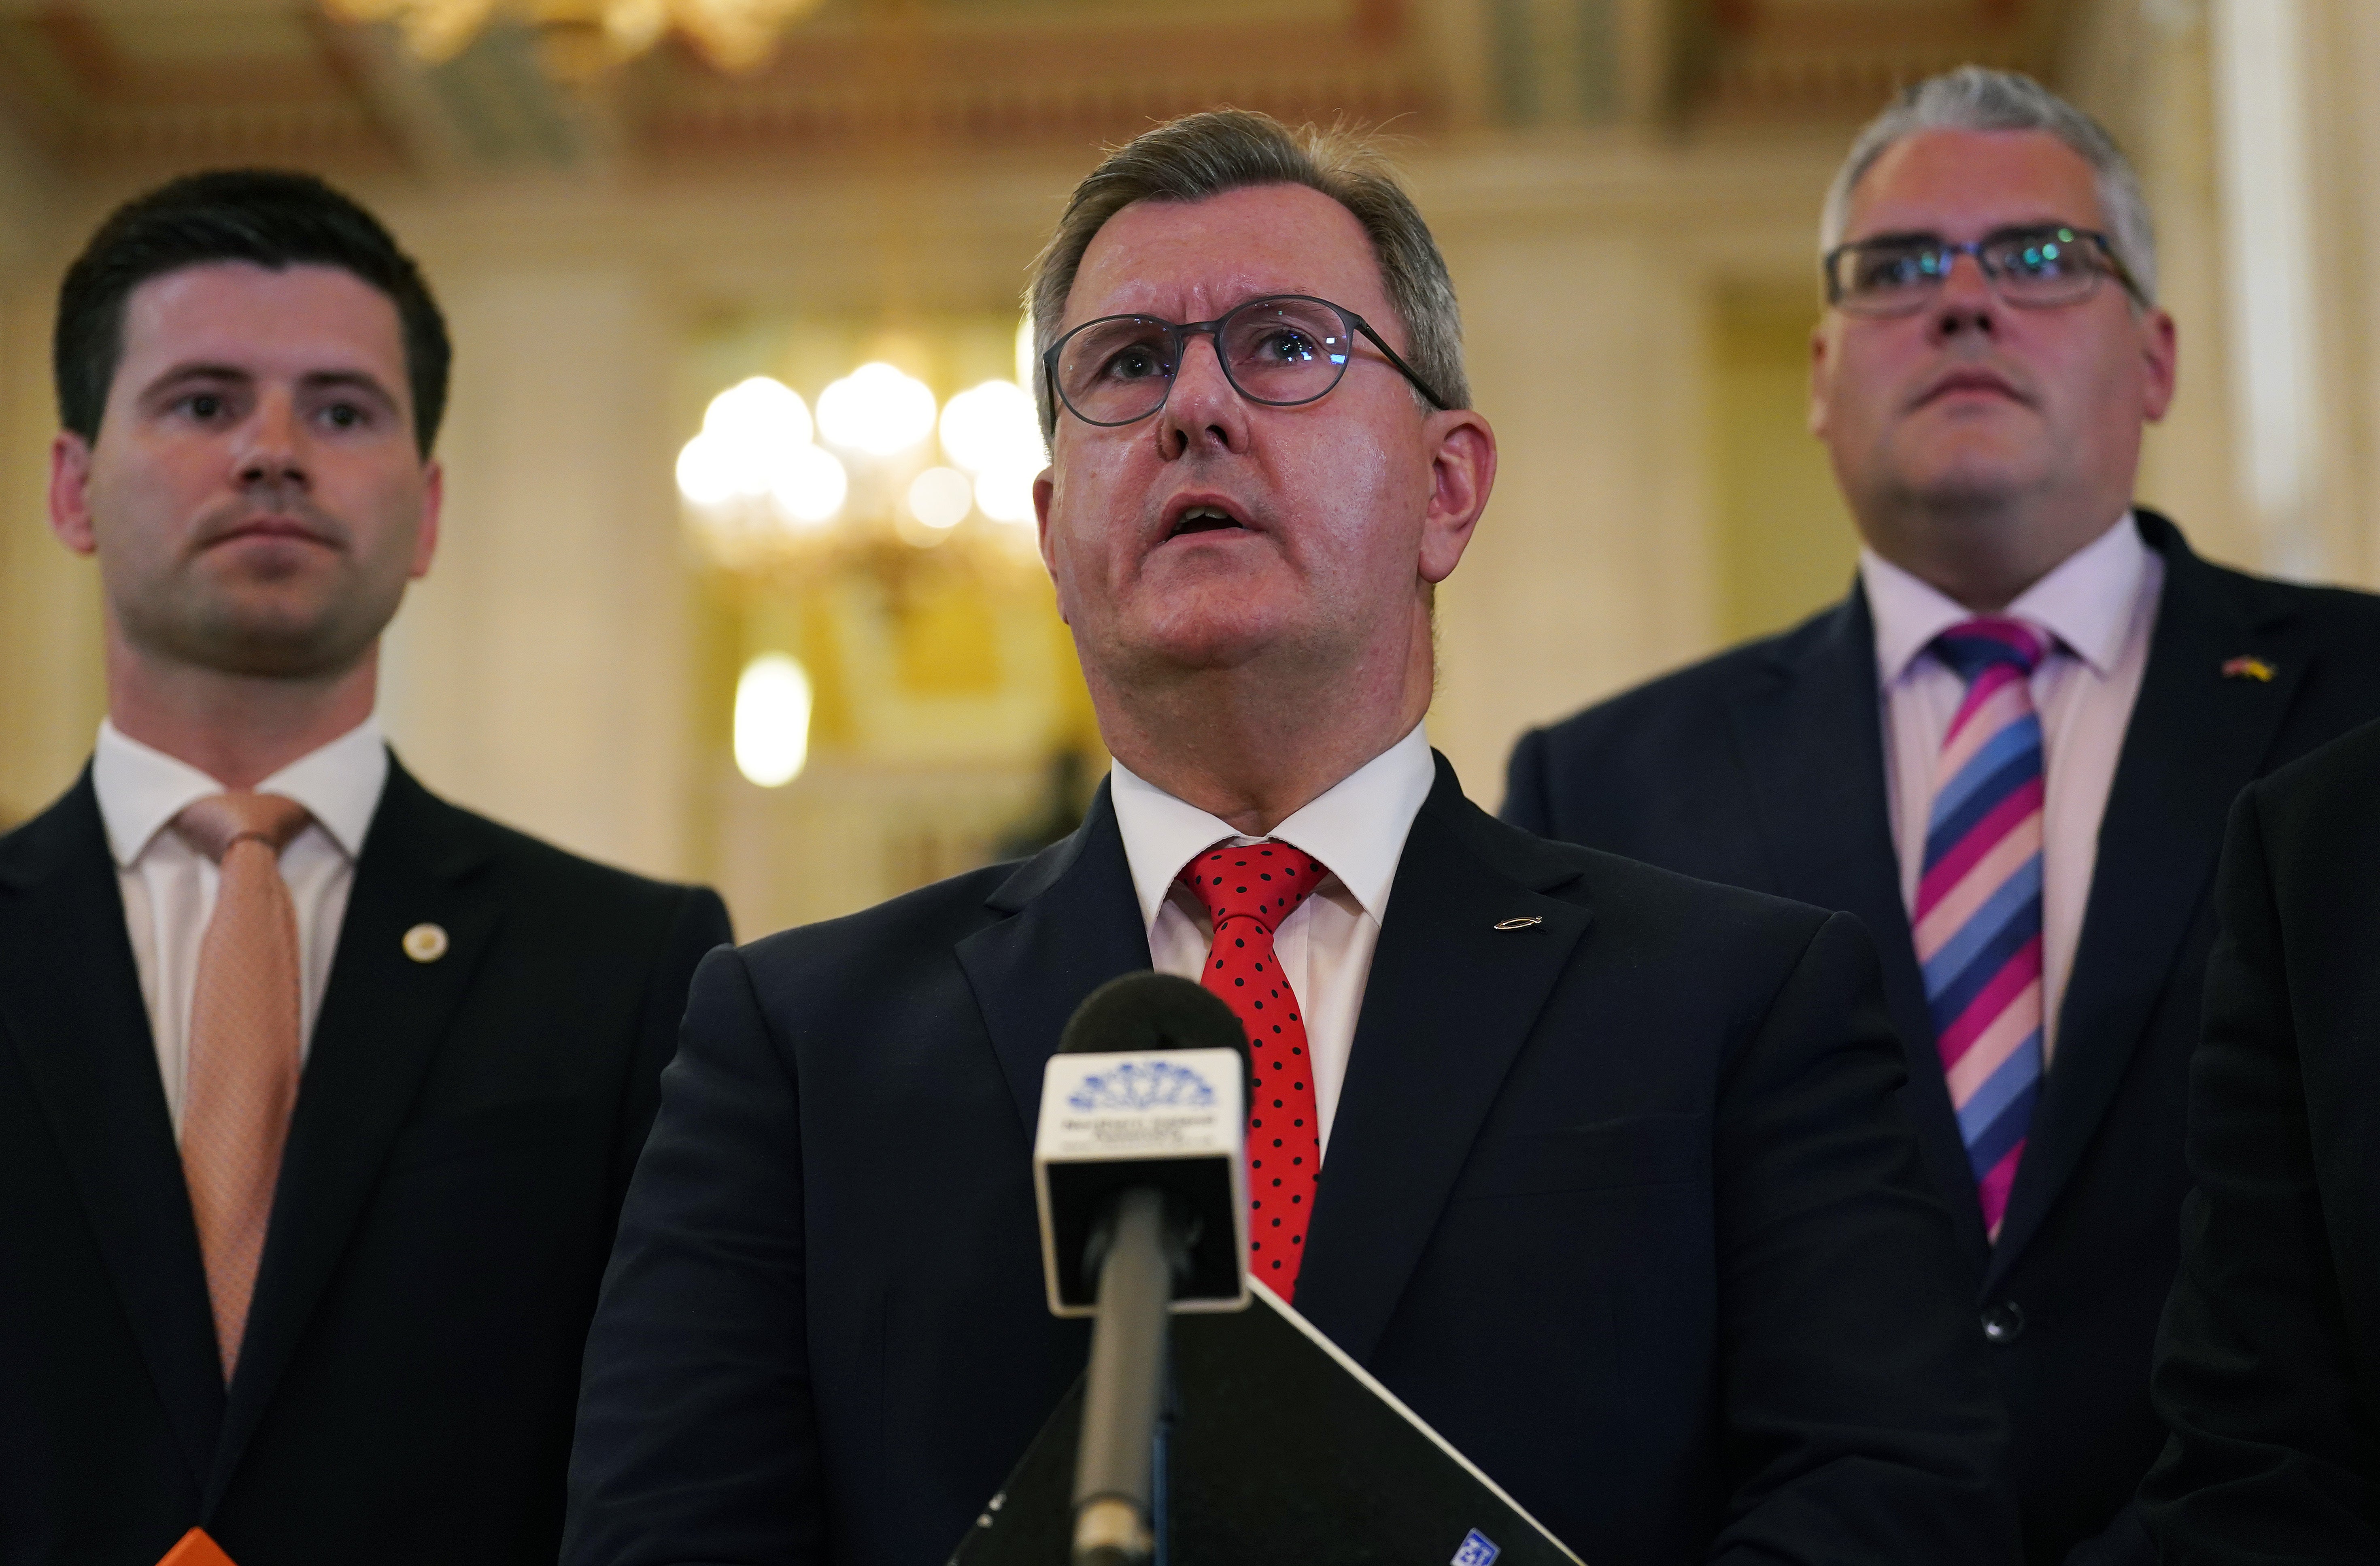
pixel 283 631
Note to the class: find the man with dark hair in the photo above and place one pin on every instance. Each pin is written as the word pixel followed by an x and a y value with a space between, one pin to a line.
pixel 2009 750
pixel 318 1094
pixel 1596 1208
pixel 274 218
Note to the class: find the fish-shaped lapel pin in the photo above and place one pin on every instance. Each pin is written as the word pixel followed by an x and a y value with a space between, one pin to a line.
pixel 2245 668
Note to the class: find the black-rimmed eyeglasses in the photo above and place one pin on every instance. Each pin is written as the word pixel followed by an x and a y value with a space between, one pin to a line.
pixel 2038 267
pixel 1281 351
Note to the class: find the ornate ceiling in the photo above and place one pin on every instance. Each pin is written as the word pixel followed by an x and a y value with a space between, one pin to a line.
pixel 125 86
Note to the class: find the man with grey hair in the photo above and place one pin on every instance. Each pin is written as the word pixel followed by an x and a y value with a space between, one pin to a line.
pixel 2009 750
pixel 1620 1196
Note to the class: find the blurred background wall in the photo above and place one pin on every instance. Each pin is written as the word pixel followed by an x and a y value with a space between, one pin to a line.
pixel 630 206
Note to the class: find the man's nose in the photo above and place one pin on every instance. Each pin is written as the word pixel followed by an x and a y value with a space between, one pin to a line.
pixel 1967 302
pixel 1202 407
pixel 272 449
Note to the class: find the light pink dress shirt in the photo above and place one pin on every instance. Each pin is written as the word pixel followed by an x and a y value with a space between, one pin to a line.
pixel 2099 608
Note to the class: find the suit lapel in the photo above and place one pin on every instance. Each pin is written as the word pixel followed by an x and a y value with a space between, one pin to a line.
pixel 382 1019
pixel 71 1003
pixel 2194 741
pixel 1074 923
pixel 1811 731
pixel 1448 1004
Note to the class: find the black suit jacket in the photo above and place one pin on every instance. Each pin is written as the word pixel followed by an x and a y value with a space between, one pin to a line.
pixel 1764 767
pixel 1619 1202
pixel 2268 1368
pixel 464 1131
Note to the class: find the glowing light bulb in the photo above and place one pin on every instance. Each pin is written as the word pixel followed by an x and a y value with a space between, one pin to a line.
pixel 759 412
pixel 940 497
pixel 752 436
pixel 992 426
pixel 706 473
pixel 1006 493
pixel 808 484
pixel 772 719
pixel 876 410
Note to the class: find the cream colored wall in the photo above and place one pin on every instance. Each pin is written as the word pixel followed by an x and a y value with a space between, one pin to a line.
pixel 541 670
pixel 49 692
pixel 1589 270
pixel 1785 544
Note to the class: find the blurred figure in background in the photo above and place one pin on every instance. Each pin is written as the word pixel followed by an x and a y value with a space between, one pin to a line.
pixel 2009 751
pixel 2268 1368
pixel 318 1094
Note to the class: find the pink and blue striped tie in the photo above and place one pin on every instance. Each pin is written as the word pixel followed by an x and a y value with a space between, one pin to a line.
pixel 1978 915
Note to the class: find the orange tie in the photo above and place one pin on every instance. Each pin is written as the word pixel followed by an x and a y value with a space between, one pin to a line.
pixel 244 1044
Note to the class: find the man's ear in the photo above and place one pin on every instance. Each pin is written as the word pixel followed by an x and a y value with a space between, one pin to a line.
pixel 1045 489
pixel 1821 378
pixel 70 492
pixel 1462 471
pixel 434 500
pixel 2160 353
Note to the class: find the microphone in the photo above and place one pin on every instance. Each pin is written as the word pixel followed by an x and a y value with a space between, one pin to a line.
pixel 1140 1173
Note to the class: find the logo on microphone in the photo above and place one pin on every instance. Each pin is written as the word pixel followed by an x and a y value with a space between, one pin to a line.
pixel 1143 1085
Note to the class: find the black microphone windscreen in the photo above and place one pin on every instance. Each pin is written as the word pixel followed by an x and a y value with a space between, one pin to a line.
pixel 1144 1012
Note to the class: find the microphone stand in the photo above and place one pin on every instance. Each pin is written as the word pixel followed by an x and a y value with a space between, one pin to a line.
pixel 1117 1519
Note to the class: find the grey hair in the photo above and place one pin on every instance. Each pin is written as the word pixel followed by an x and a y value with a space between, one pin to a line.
pixel 1974 98
pixel 1206 154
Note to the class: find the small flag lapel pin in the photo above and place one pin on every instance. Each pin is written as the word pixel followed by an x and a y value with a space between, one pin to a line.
pixel 2245 668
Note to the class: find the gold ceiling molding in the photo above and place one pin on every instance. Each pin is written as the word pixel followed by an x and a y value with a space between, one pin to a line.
pixel 579 38
pixel 1815 61
pixel 458 87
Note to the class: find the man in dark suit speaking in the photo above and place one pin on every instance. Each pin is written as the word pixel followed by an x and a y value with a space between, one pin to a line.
pixel 2009 750
pixel 1593 1207
pixel 317 1094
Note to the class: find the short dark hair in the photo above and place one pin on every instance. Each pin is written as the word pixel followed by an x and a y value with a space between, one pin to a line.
pixel 275 218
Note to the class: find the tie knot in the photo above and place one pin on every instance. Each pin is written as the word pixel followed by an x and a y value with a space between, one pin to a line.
pixel 1973 646
pixel 214 824
pixel 1264 881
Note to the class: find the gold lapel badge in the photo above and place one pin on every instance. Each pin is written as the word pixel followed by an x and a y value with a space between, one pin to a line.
pixel 2248 669
pixel 1520 923
pixel 425 942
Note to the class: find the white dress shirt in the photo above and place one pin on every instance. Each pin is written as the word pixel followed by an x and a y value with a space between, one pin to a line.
pixel 2098 608
pixel 169 887
pixel 1357 830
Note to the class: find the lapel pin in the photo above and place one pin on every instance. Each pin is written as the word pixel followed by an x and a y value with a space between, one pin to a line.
pixel 2248 669
pixel 1520 923
pixel 425 942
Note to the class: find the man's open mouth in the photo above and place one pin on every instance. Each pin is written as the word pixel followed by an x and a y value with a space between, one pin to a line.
pixel 1204 519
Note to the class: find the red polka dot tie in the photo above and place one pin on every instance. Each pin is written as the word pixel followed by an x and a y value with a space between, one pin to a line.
pixel 1249 892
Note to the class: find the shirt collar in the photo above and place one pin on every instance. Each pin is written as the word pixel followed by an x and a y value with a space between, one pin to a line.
pixel 141 789
pixel 2086 603
pixel 1357 828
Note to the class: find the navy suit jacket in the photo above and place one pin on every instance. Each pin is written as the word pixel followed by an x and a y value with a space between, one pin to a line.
pixel 463 1134
pixel 1764 767
pixel 1619 1202
pixel 2269 1368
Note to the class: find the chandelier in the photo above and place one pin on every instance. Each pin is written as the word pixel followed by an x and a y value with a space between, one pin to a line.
pixel 579 38
pixel 880 475
pixel 880 481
